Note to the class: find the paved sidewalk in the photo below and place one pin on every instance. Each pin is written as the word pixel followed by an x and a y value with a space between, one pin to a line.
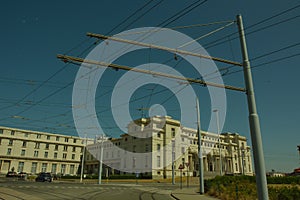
pixel 189 194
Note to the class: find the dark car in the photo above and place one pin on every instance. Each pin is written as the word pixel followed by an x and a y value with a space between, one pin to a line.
pixel 44 177
pixel 22 175
pixel 11 174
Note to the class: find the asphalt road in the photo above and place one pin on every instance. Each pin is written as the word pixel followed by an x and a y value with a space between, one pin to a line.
pixel 11 189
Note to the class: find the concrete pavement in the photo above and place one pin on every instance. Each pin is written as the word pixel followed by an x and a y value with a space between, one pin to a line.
pixel 189 194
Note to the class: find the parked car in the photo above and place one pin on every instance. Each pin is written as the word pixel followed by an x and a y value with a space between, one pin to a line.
pixel 22 175
pixel 11 174
pixel 44 177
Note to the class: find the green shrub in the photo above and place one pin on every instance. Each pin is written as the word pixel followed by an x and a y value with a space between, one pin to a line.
pixel 244 187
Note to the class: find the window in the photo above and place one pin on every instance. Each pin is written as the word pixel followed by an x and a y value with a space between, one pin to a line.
pixel 133 148
pixel 236 167
pixel 44 167
pixel 133 163
pixel 12 132
pixel 64 156
pixel 37 145
pixel 24 144
pixel 73 156
pixel 147 148
pixel 72 168
pixel 74 140
pixel 158 135
pixel 182 150
pixel 8 151
pixel 33 167
pixel 158 161
pixel 173 132
pixel 20 166
pixel 53 168
pixel 48 137
pixel 56 147
pixel 36 154
pixel 146 161
pixel 47 146
pixel 1 131
pixel 65 148
pixel 23 152
pixel 38 136
pixel 46 154
pixel 182 139
pixel 55 155
pixel 57 138
pixel 158 147
pixel 10 142
pixel 66 139
pixel 74 149
pixel 63 169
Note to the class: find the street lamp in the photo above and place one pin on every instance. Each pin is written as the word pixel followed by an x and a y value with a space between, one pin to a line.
pixel 173 162
pixel 100 160
pixel 218 132
pixel 82 160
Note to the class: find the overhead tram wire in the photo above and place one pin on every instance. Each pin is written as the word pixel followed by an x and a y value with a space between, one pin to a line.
pixel 259 57
pixel 219 41
pixel 181 13
pixel 55 92
pixel 130 16
pixel 266 63
pixel 143 14
pixel 178 27
pixel 61 69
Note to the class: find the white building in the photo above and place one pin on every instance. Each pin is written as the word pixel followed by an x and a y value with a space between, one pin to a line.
pixel 153 144
pixel 34 152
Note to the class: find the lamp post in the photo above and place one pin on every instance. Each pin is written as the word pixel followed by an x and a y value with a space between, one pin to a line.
pixel 200 156
pixel 173 162
pixel 82 160
pixel 100 160
pixel 219 139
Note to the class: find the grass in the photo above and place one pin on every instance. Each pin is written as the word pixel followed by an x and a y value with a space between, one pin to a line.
pixel 244 188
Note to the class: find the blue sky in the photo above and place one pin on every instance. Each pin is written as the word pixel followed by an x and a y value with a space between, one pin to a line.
pixel 33 32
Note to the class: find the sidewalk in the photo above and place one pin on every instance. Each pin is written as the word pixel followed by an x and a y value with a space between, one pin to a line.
pixel 189 194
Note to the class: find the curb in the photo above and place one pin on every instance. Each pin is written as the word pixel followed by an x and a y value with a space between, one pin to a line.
pixel 172 195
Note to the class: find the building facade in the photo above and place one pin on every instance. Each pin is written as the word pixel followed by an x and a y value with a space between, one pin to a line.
pixel 33 152
pixel 154 146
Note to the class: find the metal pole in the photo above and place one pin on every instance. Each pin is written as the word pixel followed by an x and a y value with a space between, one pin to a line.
pixel 218 132
pixel 201 180
pixel 100 162
pixel 259 163
pixel 82 160
pixel 180 178
pixel 173 162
